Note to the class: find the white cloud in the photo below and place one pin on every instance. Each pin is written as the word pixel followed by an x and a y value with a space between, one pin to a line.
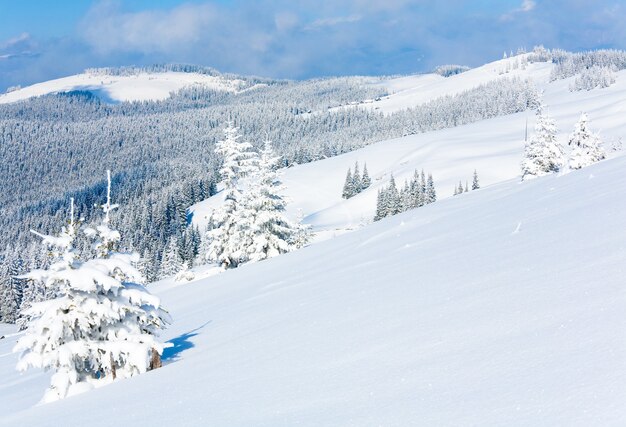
pixel 526 6
pixel 107 29
pixel 331 22
pixel 16 41
pixel 21 46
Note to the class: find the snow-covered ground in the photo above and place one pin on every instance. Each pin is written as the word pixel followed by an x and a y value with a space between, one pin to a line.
pixel 503 306
pixel 139 87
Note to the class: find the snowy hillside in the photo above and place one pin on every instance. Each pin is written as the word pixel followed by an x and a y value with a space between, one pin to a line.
pixel 411 91
pixel 117 88
pixel 493 147
pixel 503 306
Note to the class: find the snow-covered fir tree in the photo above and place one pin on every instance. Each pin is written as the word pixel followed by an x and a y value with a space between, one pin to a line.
pixel 418 192
pixel 171 261
pixel 475 182
pixel 148 265
pixel 392 201
pixel 9 304
pixel 366 181
pixel 304 233
pixel 592 78
pixel 587 146
pixel 265 230
pixel 224 235
pixel 459 189
pixel 357 184
pixel 348 186
pixel 430 194
pixel 543 154
pixel 101 325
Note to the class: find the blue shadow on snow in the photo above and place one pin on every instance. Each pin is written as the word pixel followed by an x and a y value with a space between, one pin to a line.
pixel 180 344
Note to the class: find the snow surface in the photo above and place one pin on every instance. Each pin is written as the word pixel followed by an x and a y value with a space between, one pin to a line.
pixel 504 306
pixel 139 87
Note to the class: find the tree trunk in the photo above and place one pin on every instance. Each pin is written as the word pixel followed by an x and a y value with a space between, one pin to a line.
pixel 113 367
pixel 155 360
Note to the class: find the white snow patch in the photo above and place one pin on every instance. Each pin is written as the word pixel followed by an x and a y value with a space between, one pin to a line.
pixel 139 87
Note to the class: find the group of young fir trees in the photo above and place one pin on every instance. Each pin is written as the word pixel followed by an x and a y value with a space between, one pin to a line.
pixel 99 323
pixel 544 154
pixel 459 189
pixel 355 183
pixel 418 192
pixel 251 224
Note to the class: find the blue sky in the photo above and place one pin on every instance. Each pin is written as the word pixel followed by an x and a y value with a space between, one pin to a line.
pixel 40 39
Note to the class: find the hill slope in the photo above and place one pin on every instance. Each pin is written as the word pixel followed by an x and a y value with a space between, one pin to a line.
pixel 143 86
pixel 498 307
pixel 493 147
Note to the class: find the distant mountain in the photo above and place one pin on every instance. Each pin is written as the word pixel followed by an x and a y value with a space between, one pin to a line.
pixel 120 84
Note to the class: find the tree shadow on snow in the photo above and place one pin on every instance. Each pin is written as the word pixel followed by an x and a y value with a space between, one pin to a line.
pixel 180 344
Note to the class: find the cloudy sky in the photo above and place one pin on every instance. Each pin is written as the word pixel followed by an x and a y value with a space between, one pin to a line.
pixel 40 40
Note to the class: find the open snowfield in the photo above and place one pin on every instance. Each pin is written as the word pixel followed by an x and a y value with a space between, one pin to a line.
pixel 504 306
pixel 140 87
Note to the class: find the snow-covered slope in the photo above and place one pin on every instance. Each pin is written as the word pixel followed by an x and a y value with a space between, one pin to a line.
pixel 493 147
pixel 504 306
pixel 137 87
pixel 411 91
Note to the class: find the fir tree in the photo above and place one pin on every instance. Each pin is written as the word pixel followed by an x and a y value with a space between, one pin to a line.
pixel 303 233
pixel 148 265
pixel 102 324
pixel 543 153
pixel 475 183
pixel 8 299
pixel 430 195
pixel 380 206
pixel 171 261
pixel 416 193
pixel 266 230
pixel 348 186
pixel 460 189
pixel 393 203
pixel 17 282
pixel 406 199
pixel 587 147
pixel 365 179
pixel 224 236
pixel 357 183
